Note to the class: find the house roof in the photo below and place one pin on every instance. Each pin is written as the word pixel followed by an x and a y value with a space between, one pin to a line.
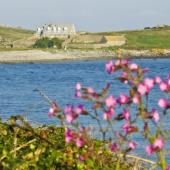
pixel 56 29
pixel 68 26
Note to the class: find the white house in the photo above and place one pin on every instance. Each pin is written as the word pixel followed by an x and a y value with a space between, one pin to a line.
pixel 56 30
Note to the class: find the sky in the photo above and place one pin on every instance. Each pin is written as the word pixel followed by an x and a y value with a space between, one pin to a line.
pixel 87 15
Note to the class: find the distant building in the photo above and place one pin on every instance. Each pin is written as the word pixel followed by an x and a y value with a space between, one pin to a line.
pixel 56 30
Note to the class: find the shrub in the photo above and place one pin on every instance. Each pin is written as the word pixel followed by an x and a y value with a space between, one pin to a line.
pixel 57 42
pixel 48 43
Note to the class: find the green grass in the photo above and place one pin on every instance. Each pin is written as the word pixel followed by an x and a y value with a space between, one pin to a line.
pixel 144 39
pixel 24 147
pixel 16 49
pixel 14 34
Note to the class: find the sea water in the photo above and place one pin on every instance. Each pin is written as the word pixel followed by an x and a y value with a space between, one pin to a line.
pixel 57 81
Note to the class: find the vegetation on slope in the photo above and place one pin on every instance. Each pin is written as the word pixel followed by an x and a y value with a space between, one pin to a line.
pixel 10 36
pixel 136 39
pixel 14 34
pixel 145 39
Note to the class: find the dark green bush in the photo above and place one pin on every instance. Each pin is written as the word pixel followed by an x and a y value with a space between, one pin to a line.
pixel 48 43
pixel 57 42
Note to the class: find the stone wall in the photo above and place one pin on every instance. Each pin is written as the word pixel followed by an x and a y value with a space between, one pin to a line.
pixel 88 39
pixel 91 46
pixel 114 40
pixel 96 41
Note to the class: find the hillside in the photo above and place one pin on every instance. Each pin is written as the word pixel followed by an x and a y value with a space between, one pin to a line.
pixel 9 35
pixel 152 38
pixel 144 39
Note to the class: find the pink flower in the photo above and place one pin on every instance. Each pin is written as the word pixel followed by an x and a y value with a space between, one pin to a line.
pixel 163 103
pixel 128 128
pixel 124 62
pixel 159 143
pixel 124 74
pixel 70 115
pixel 136 99
pixel 51 112
pixel 149 82
pixel 90 90
pixel 133 66
pixel 80 142
pixel 70 118
pixel 123 99
pixel 169 79
pixel 78 86
pixel 79 109
pixel 109 67
pixel 114 147
pixel 68 135
pixel 78 90
pixel 126 114
pixel 124 77
pixel 155 115
pixel 53 109
pixel 149 149
pixel 143 89
pixel 108 114
pixel 156 146
pixel 68 109
pixel 78 94
pixel 110 101
pixel 163 86
pixel 157 80
pixel 118 63
pixel 168 167
pixel 132 145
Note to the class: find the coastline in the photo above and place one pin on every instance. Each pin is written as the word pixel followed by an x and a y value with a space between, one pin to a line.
pixel 39 56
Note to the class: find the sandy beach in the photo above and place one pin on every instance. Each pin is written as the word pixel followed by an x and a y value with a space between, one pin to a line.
pixel 45 56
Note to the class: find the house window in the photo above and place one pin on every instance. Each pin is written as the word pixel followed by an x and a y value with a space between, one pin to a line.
pixel 65 29
pixel 54 29
pixel 38 30
pixel 49 28
pixel 59 29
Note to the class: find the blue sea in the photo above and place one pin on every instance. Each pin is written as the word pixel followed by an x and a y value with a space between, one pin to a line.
pixel 57 81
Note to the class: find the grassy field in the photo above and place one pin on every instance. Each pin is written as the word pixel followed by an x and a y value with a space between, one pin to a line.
pixel 10 35
pixel 14 34
pixel 145 39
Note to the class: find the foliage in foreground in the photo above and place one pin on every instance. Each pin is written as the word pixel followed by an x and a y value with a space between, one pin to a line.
pixel 24 147
pixel 119 119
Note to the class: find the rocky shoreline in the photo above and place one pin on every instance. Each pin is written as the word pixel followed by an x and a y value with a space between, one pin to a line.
pixel 38 56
